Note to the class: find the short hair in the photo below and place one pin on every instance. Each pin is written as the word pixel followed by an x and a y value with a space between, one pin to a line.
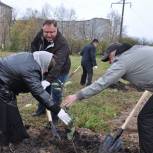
pixel 49 22
pixel 95 41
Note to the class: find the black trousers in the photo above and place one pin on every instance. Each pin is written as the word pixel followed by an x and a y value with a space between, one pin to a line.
pixel 11 125
pixel 145 127
pixel 86 77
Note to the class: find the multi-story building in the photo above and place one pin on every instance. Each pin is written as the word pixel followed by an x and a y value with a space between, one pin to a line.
pixel 5 22
pixel 86 29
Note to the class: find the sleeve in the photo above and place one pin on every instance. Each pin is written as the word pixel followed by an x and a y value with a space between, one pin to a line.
pixel 112 75
pixel 93 56
pixel 35 44
pixel 60 56
pixel 32 80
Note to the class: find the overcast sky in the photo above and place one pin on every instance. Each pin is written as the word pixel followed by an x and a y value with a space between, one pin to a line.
pixel 138 19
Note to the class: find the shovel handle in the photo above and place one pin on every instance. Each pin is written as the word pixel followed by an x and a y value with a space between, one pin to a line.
pixel 49 116
pixel 74 71
pixel 53 127
pixel 142 99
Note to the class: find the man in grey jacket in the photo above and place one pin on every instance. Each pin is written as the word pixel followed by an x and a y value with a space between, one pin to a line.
pixel 134 64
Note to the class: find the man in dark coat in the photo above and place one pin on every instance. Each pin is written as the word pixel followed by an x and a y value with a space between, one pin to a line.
pixel 51 40
pixel 88 61
pixel 22 73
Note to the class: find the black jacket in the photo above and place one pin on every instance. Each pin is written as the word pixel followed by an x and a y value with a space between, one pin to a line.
pixel 61 54
pixel 22 74
pixel 88 54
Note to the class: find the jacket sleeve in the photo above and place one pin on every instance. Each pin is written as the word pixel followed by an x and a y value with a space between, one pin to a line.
pixel 60 56
pixel 112 75
pixel 32 80
pixel 92 53
pixel 35 44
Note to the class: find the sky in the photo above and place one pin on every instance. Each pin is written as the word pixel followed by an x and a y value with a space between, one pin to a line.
pixel 137 18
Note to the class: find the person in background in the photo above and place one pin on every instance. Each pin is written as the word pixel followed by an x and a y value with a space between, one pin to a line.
pixel 88 62
pixel 50 39
pixel 134 64
pixel 22 73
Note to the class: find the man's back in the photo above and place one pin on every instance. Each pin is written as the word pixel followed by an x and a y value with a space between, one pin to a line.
pixel 139 66
pixel 88 54
pixel 15 68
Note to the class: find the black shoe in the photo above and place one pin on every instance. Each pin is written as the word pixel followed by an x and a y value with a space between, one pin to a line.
pixel 38 113
pixel 82 84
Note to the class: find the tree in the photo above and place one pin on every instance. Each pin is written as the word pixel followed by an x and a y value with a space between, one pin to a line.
pixel 23 32
pixel 115 26
pixel 46 11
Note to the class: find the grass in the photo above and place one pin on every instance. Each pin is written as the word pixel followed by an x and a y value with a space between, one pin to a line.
pixel 94 113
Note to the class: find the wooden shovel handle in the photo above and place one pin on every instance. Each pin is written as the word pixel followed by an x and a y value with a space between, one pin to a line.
pixel 49 116
pixel 74 71
pixel 142 99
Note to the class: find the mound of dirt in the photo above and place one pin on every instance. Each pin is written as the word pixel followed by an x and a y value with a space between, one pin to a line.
pixel 42 141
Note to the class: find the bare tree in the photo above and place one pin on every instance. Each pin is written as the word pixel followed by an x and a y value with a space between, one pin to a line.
pixel 46 11
pixel 82 30
pixel 115 25
pixel 30 13
pixel 64 16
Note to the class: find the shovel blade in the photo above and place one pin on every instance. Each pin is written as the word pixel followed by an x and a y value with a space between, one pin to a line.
pixel 110 146
pixel 55 132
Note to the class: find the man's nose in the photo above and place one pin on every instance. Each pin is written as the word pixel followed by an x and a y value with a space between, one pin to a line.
pixel 49 35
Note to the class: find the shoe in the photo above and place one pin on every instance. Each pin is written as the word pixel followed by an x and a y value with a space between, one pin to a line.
pixel 82 84
pixel 38 113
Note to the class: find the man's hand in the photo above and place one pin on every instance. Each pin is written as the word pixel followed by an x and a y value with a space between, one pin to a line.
pixel 69 100
pixel 95 67
pixel 45 84
pixel 64 117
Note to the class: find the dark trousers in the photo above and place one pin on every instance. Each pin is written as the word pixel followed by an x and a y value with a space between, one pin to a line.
pixel 56 96
pixel 11 125
pixel 145 127
pixel 86 78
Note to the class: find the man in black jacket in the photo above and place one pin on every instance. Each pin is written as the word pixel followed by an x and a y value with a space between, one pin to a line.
pixel 22 73
pixel 88 61
pixel 51 40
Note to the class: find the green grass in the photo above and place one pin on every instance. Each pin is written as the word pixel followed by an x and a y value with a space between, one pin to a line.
pixel 94 113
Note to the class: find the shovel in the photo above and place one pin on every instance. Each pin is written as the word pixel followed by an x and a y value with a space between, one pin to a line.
pixel 113 144
pixel 71 74
pixel 53 127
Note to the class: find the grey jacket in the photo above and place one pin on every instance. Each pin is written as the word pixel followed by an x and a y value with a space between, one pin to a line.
pixel 135 65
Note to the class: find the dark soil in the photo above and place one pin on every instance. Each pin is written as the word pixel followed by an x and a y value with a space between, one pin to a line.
pixel 85 141
pixel 42 141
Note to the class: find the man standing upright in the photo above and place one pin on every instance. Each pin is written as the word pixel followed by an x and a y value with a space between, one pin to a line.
pixel 50 39
pixel 88 61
